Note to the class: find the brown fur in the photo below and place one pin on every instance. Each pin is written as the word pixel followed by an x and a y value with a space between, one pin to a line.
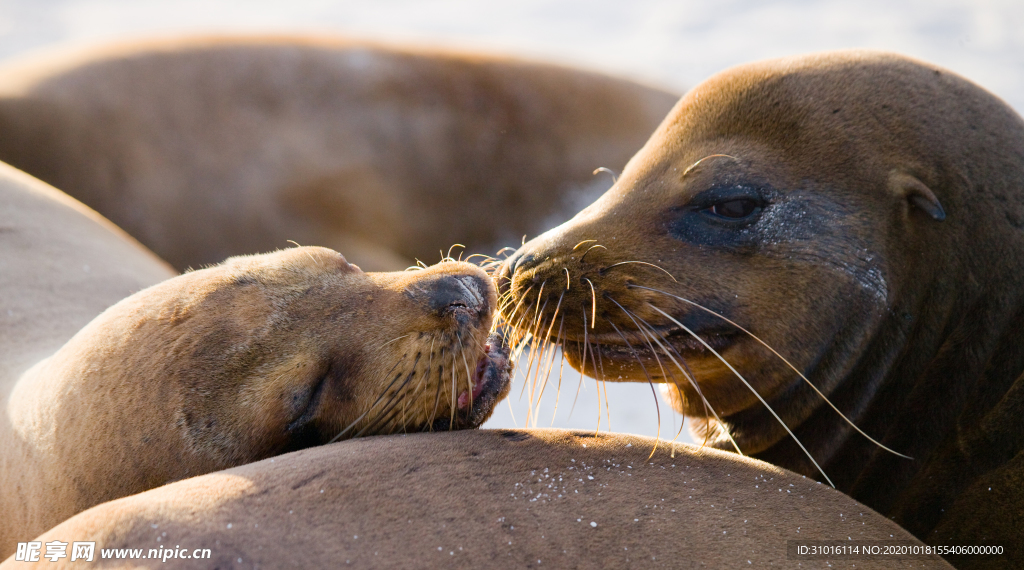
pixel 214 368
pixel 883 258
pixel 204 148
pixel 490 499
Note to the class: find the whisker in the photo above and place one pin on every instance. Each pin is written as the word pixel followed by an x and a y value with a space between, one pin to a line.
pixel 440 380
pixel 379 398
pixel 593 297
pixel 583 364
pixel 694 165
pixel 682 368
pixel 547 335
pixel 522 298
pixel 533 334
pixel 652 334
pixel 783 359
pixel 449 256
pixel 650 382
pixel 539 380
pixel 561 367
pixel 641 263
pixel 609 171
pixel 668 350
pixel 389 412
pixel 600 370
pixel 552 349
pixel 395 339
pixel 487 258
pixel 749 387
pixel 588 251
pixel 469 375
pixel 597 387
pixel 392 403
pixel 657 407
pixel 307 253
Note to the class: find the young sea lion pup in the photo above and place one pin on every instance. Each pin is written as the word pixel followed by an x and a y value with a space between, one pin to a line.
pixel 217 367
pixel 860 214
pixel 207 147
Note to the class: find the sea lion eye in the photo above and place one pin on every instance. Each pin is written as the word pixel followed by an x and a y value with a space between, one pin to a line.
pixel 735 209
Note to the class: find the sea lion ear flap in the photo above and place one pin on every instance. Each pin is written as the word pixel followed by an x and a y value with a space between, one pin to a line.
pixel 918 194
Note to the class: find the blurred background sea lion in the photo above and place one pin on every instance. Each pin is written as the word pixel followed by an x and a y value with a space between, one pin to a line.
pixel 203 148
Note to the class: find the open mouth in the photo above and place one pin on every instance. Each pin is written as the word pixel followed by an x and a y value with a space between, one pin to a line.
pixel 491 381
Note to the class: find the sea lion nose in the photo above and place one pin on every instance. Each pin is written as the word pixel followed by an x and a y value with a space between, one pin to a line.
pixel 459 294
pixel 518 260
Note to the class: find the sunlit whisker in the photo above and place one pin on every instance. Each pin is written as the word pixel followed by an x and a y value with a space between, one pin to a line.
pixel 650 382
pixel 593 297
pixel 583 364
pixel 379 398
pixel 749 387
pixel 561 367
pixel 640 263
pixel 783 359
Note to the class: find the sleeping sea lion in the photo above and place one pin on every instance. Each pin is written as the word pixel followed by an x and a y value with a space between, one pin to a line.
pixel 861 214
pixel 203 148
pixel 218 367
pixel 488 499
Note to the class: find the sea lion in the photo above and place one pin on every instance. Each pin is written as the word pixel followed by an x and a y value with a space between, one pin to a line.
pixel 218 367
pixel 862 214
pixel 488 499
pixel 203 148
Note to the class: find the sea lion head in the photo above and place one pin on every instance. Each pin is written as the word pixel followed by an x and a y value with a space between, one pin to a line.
pixel 269 353
pixel 833 207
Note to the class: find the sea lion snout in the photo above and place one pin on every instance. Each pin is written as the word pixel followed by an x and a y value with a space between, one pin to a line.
pixel 457 294
pixel 460 295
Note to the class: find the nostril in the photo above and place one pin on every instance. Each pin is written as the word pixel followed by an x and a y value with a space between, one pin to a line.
pixel 516 262
pixel 458 305
pixel 510 263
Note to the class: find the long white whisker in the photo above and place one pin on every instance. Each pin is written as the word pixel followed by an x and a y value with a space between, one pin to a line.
pixel 749 387
pixel 783 359
pixel 650 382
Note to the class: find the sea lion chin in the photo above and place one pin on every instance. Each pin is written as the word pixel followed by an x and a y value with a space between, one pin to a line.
pixel 859 214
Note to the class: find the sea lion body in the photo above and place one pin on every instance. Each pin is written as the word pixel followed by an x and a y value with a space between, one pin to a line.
pixel 218 367
pixel 863 215
pixel 489 499
pixel 203 148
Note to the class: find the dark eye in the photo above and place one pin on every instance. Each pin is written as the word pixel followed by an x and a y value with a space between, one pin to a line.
pixel 735 209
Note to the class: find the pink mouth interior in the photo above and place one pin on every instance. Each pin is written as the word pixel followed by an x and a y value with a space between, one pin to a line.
pixel 477 380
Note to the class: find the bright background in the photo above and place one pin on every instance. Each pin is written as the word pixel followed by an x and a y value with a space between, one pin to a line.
pixel 671 43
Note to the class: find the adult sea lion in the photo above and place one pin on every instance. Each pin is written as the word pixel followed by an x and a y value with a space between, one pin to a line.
pixel 214 368
pixel 487 499
pixel 203 148
pixel 862 214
